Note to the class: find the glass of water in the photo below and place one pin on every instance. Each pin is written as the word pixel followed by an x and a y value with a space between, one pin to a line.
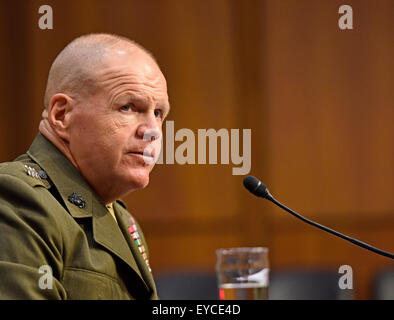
pixel 242 273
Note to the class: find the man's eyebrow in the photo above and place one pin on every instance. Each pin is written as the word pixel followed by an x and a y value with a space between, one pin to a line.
pixel 128 97
pixel 138 98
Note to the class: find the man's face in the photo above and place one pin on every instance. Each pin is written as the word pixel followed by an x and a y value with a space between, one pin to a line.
pixel 107 129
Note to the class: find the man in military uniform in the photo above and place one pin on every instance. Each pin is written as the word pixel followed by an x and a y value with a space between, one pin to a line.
pixel 64 233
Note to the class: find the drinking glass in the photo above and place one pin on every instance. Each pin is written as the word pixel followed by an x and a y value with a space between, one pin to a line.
pixel 242 273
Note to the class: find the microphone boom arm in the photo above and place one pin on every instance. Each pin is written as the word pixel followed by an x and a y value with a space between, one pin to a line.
pixel 335 233
pixel 256 187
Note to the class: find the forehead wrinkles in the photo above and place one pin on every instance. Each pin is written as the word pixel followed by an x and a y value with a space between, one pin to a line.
pixel 114 80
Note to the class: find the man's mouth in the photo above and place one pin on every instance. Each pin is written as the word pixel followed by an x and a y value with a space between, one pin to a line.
pixel 143 154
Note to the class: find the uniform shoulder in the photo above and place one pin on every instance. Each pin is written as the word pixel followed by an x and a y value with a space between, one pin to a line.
pixel 25 170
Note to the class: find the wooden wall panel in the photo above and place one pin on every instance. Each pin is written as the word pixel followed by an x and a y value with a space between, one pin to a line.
pixel 329 96
pixel 319 102
pixel 330 107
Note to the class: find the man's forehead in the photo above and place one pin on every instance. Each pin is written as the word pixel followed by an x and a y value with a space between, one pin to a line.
pixel 117 62
pixel 125 79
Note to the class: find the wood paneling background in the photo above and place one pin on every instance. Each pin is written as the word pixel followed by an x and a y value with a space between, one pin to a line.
pixel 319 101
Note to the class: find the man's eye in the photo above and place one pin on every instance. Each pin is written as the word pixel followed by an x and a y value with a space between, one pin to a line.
pixel 158 113
pixel 126 108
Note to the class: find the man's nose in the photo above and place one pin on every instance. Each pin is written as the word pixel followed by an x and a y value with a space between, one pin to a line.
pixel 149 132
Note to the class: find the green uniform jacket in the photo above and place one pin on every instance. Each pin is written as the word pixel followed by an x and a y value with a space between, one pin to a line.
pixel 50 216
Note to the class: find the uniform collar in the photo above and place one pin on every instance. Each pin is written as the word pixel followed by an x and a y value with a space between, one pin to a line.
pixel 64 176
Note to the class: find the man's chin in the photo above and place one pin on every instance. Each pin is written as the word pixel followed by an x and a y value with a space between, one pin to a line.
pixel 139 180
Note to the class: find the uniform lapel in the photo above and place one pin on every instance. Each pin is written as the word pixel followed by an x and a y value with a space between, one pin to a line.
pixel 107 233
pixel 123 218
pixel 68 181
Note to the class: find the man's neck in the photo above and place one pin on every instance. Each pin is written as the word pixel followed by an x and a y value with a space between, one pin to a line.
pixel 48 132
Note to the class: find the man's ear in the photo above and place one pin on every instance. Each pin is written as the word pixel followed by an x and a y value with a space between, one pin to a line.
pixel 59 111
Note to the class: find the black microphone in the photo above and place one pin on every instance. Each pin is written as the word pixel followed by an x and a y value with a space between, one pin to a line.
pixel 258 188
